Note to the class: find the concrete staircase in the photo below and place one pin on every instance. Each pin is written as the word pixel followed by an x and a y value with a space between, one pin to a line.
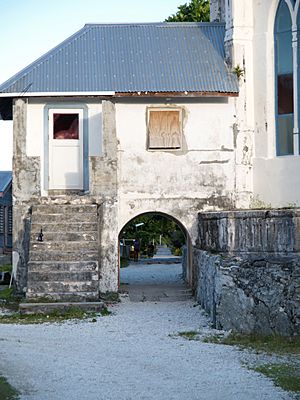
pixel 64 266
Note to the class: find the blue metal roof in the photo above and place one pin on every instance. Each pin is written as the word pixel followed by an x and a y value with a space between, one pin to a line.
pixel 5 180
pixel 126 58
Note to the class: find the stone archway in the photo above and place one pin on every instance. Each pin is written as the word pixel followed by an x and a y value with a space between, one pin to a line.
pixel 187 265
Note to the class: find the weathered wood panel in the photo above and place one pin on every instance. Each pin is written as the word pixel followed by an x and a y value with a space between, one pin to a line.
pixel 164 129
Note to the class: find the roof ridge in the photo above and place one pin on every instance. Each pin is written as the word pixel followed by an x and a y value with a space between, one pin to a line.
pixel 160 23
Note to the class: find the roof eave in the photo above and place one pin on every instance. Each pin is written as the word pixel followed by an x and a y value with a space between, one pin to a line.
pixel 177 94
pixel 55 94
pixel 6 188
pixel 122 94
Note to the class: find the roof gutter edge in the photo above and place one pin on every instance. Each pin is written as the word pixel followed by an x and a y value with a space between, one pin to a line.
pixel 177 94
pixel 47 94
pixel 123 94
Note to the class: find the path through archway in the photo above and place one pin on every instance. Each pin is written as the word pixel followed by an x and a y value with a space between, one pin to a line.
pixel 153 259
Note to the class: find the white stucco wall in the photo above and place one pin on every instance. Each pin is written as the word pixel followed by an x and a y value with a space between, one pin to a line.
pixel 275 180
pixel 183 182
pixel 36 124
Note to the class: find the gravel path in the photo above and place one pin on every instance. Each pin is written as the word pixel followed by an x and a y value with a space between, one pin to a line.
pixel 157 274
pixel 135 353
pixel 132 354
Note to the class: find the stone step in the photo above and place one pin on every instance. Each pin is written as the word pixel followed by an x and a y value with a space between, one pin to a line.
pixel 50 276
pixel 167 293
pixel 172 299
pixel 64 266
pixel 64 245
pixel 44 219
pixel 69 227
pixel 65 208
pixel 151 261
pixel 46 308
pixel 65 296
pixel 62 287
pixel 142 297
pixel 80 255
pixel 183 292
pixel 163 251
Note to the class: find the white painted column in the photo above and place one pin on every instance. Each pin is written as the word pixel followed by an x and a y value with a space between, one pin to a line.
pixel 294 11
pixel 295 89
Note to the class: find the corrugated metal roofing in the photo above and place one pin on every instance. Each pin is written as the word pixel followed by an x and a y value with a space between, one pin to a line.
pixel 155 57
pixel 5 180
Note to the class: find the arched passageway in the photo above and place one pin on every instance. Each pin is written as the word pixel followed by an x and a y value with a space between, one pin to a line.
pixel 154 258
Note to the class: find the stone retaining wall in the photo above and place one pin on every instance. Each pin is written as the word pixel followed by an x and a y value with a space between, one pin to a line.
pixel 252 284
pixel 274 231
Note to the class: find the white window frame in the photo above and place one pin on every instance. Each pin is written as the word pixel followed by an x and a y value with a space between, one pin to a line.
pixel 294 9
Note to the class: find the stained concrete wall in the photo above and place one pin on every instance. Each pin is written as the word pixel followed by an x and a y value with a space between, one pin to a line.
pixel 200 176
pixel 26 188
pixel 247 270
pixel 104 185
pixel 217 10
pixel 203 175
pixel 28 163
pixel 126 179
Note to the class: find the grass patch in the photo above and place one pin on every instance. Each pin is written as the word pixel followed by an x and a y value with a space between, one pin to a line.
pixel 72 313
pixel 110 297
pixel 7 392
pixel 284 375
pixel 105 312
pixel 8 299
pixel 6 268
pixel 272 344
pixel 189 335
pixel 6 294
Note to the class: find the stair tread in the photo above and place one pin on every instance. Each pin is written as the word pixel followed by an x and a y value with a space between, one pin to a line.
pixel 65 264
pixel 65 296
pixel 83 243
pixel 61 262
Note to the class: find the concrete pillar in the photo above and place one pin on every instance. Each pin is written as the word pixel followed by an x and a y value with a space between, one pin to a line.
pixel 104 186
pixel 217 10
pixel 26 186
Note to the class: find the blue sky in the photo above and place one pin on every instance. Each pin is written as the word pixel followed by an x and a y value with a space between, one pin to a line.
pixel 29 28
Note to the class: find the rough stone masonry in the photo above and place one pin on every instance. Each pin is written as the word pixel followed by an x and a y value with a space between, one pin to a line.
pixel 247 270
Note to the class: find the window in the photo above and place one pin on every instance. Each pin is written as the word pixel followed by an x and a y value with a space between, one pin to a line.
pixel 1 219
pixel 286 123
pixel 164 128
pixel 10 220
pixel 65 126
